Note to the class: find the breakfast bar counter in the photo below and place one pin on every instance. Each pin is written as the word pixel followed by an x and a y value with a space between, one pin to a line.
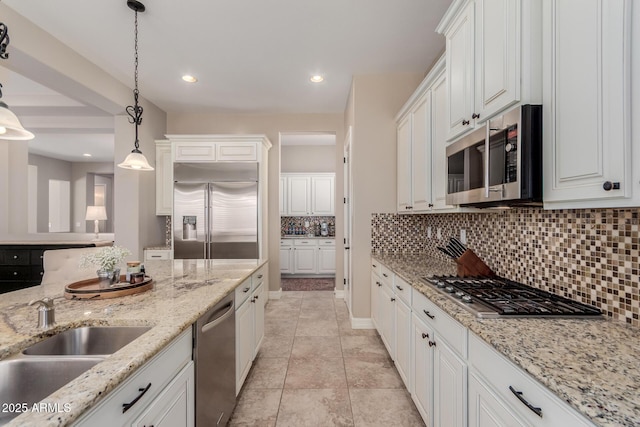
pixel 183 290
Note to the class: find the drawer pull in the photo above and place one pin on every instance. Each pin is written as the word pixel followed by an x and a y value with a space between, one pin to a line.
pixel 245 290
pixel 399 288
pixel 425 335
pixel 429 315
pixel 259 276
pixel 384 275
pixel 378 283
pixel 518 394
pixel 15 273
pixel 432 343
pixel 15 257
pixel 375 266
pixel 393 299
pixel 127 406
pixel 156 256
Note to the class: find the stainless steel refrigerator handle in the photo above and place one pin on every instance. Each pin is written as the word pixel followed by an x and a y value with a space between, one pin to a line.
pixel 207 255
pixel 212 324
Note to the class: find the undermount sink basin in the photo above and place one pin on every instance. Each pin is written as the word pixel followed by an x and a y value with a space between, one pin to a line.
pixel 87 341
pixel 26 381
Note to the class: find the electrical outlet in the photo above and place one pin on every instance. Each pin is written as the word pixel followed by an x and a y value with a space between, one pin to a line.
pixel 439 233
pixel 463 236
pixel 429 232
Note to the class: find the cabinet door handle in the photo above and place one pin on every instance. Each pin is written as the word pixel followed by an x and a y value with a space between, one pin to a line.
pixel 15 257
pixel 425 335
pixel 518 394
pixel 430 205
pixel 475 116
pixel 378 283
pixel 253 300
pixel 608 186
pixel 375 266
pixel 432 343
pixel 127 406
pixel 259 276
pixel 465 122
pixel 399 288
pixel 429 315
pixel 257 296
pixel 384 275
pixel 245 290
pixel 393 299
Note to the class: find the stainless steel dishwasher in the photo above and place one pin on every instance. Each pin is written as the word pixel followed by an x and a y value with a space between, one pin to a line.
pixel 215 364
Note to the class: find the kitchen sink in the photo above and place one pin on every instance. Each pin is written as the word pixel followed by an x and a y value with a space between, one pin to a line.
pixel 26 381
pixel 87 341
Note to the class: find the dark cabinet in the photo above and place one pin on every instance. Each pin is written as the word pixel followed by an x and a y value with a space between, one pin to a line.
pixel 21 266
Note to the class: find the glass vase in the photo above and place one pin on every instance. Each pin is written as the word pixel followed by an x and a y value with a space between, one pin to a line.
pixel 108 278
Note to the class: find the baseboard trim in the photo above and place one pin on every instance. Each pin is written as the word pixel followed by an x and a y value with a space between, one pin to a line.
pixel 362 323
pixel 339 293
pixel 275 294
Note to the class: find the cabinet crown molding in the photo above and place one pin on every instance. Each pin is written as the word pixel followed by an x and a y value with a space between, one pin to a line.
pixel 451 14
pixel 432 76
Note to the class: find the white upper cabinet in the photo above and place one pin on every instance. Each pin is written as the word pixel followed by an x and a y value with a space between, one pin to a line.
pixel 421 154
pixel 404 164
pixel 493 51
pixel 422 132
pixel 497 59
pixel 460 72
pixel 164 178
pixel 307 194
pixel 587 104
pixel 323 195
pixel 299 195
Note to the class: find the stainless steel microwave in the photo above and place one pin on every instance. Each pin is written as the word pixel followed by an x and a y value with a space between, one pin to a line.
pixel 500 163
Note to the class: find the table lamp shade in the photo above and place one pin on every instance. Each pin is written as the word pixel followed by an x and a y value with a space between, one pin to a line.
pixel 96 213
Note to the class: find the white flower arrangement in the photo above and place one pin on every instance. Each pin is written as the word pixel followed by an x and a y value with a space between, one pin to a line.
pixel 106 258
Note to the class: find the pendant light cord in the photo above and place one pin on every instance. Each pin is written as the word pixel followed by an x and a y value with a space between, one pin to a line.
pixel 135 111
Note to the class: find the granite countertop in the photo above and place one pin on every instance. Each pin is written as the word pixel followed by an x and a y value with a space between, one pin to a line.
pixel 183 291
pixel 55 242
pixel 158 248
pixel 592 364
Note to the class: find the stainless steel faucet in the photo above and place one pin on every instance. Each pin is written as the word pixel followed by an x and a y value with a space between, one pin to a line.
pixel 46 312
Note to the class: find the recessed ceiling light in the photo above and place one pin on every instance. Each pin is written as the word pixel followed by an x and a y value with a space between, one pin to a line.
pixel 87 155
pixel 317 78
pixel 189 79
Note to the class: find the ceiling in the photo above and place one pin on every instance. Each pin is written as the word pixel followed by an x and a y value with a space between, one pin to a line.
pixel 250 56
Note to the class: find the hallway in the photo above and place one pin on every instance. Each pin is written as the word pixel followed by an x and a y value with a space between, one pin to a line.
pixel 314 370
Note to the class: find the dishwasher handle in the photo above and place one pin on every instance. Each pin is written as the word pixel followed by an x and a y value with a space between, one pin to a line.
pixel 215 322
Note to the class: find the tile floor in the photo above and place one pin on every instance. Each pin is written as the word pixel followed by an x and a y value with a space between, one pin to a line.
pixel 314 370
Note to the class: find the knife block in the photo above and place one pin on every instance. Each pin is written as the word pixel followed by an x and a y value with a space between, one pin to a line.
pixel 469 265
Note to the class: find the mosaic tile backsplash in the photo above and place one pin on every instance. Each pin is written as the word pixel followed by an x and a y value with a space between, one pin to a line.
pixel 588 255
pixel 291 224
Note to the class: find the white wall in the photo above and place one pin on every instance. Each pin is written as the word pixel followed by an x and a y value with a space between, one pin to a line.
pixel 45 60
pixel 271 125
pixel 308 158
pixel 79 191
pixel 371 108
pixel 48 169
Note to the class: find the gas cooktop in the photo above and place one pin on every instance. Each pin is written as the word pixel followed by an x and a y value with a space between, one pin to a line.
pixel 498 297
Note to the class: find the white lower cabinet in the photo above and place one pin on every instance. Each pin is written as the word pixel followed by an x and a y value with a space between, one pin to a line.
pixel 387 320
pixel 167 379
pixel 174 406
pixel 422 369
pixel 250 322
pixel 376 286
pixel 304 260
pixel 244 342
pixel 326 259
pixel 486 409
pixel 403 341
pixel 449 386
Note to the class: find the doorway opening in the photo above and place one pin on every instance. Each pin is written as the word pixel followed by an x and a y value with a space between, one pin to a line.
pixel 307 211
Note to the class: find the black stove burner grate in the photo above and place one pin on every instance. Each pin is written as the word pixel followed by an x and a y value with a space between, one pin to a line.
pixel 509 298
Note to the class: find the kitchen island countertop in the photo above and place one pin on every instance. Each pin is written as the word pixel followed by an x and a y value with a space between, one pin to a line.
pixel 592 364
pixel 183 291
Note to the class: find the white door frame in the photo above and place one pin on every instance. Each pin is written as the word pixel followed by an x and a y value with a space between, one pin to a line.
pixel 348 295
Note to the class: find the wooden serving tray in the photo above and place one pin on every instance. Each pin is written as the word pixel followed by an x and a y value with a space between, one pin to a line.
pixel 90 289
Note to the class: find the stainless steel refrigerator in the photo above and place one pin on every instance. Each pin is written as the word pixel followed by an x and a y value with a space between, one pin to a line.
pixel 215 211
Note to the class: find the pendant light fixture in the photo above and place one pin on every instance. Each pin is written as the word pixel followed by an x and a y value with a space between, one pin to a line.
pixel 10 127
pixel 135 160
